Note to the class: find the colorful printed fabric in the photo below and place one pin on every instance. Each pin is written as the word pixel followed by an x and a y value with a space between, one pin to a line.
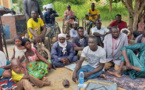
pixel 38 69
pixel 7 84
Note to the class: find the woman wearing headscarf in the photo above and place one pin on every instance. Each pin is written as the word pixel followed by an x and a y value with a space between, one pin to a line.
pixel 62 52
pixel 6 82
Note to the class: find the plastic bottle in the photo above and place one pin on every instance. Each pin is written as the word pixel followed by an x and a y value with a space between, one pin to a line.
pixel 81 78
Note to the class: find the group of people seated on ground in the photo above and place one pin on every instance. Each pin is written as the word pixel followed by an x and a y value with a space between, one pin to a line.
pixel 106 48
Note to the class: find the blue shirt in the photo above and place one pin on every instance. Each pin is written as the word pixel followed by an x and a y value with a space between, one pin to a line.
pixel 47 18
pixel 2 70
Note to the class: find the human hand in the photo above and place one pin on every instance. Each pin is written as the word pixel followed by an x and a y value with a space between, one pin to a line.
pixel 86 74
pixel 74 76
pixel 49 67
pixel 128 65
pixel 52 15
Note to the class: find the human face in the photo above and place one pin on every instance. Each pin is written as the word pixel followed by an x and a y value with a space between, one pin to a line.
pixel 34 14
pixel 18 42
pixel 92 6
pixel 17 68
pixel 92 44
pixel 118 19
pixel 69 8
pixel 28 45
pixel 81 32
pixel 99 25
pixel 75 26
pixel 61 39
pixel 115 33
pixel 50 10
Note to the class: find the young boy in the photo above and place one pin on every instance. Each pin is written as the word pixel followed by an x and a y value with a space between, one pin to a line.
pixel 22 80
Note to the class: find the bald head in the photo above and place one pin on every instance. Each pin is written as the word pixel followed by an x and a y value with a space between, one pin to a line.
pixel 16 66
pixel 15 62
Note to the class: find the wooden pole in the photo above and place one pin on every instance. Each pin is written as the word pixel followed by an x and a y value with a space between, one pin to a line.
pixel 110 8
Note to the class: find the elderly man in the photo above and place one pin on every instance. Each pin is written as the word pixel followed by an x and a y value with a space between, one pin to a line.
pixel 118 22
pixel 96 57
pixel 113 44
pixel 69 15
pixel 99 32
pixel 94 15
pixel 62 52
pixel 29 6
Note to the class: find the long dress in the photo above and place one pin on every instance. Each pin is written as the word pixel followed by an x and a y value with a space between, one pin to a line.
pixel 36 68
pixel 137 61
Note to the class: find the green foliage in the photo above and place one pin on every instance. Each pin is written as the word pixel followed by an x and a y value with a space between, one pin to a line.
pixel 115 1
pixel 15 1
pixel 80 10
pixel 78 2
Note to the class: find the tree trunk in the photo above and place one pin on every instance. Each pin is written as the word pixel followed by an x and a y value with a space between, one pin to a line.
pixel 135 21
pixel 110 8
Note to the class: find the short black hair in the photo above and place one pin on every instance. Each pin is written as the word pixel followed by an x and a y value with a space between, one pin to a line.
pixel 118 15
pixel 80 28
pixel 93 37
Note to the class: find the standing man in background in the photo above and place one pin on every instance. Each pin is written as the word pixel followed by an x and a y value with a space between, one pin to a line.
pixel 29 6
pixel 94 15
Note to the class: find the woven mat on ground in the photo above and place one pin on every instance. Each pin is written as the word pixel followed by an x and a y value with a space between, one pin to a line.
pixel 126 82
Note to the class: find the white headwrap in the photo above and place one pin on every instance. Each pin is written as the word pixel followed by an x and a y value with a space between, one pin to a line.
pixel 44 6
pixel 63 45
pixel 126 30
pixel 3 60
pixel 75 22
pixel 49 6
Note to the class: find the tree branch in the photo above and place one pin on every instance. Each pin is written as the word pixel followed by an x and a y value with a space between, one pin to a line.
pixel 142 6
pixel 130 9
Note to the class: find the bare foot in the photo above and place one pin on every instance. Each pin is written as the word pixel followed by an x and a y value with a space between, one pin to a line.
pixel 115 74
pixel 45 79
pixel 103 76
pixel 47 83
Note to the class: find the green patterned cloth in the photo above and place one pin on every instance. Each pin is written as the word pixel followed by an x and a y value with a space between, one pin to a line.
pixel 38 69
pixel 137 61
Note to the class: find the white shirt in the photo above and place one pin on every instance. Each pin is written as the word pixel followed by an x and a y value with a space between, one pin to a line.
pixel 73 33
pixel 102 31
pixel 94 57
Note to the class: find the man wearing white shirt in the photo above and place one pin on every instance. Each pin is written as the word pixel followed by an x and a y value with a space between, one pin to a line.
pixel 99 32
pixel 73 32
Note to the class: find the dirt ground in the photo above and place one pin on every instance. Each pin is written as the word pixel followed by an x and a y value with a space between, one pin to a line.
pixel 55 76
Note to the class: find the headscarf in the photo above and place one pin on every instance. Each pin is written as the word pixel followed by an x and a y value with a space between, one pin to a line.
pixel 75 22
pixel 3 60
pixel 63 45
pixel 49 6
pixel 24 41
pixel 126 30
pixel 17 37
pixel 44 6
